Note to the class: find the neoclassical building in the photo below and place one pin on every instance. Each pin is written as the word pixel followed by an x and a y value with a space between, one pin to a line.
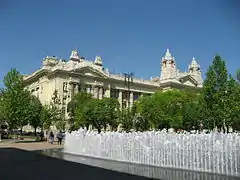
pixel 79 74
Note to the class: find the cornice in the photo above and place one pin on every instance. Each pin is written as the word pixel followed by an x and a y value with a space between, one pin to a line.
pixel 35 76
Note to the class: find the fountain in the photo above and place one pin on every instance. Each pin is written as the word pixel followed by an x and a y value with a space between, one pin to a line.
pixel 217 153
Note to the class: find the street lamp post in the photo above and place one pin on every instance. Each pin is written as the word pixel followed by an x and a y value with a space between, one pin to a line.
pixel 128 80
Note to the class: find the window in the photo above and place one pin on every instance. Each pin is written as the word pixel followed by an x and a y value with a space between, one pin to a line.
pixel 114 93
pixel 136 95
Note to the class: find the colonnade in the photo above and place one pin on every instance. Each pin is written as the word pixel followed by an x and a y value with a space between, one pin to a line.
pixel 125 97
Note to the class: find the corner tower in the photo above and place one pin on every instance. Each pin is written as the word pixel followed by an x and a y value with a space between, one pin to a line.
pixel 195 71
pixel 168 67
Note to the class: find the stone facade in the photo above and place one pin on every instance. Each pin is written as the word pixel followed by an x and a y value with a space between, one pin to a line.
pixel 78 74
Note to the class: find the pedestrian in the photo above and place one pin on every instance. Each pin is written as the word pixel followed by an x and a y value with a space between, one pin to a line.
pixel 60 137
pixel 51 137
pixel 45 135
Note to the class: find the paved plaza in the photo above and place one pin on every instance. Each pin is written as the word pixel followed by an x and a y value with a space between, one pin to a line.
pixel 30 145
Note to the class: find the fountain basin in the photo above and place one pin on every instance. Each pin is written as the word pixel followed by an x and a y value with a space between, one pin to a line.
pixel 215 153
pixel 137 169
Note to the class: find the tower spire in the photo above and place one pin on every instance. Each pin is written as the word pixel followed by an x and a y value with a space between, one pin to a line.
pixel 194 64
pixel 168 66
pixel 168 55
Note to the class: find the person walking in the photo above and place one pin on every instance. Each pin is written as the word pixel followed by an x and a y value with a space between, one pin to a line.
pixel 60 137
pixel 51 137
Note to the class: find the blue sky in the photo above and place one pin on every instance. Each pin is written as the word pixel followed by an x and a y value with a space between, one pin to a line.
pixel 130 35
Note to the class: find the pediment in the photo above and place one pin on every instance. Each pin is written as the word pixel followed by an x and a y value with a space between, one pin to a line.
pixel 89 71
pixel 188 80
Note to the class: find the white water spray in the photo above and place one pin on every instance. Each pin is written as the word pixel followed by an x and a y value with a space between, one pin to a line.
pixel 215 152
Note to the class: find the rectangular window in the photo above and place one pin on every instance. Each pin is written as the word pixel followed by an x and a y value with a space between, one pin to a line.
pixel 135 96
pixel 114 93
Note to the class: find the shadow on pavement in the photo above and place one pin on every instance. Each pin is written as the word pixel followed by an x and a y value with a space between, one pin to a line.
pixel 20 164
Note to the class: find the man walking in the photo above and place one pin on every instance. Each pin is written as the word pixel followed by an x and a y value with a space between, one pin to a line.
pixel 60 137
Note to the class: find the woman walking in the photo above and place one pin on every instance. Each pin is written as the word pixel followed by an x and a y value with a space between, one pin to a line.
pixel 51 137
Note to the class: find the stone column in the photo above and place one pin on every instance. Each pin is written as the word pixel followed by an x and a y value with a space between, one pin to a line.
pixel 88 89
pixel 108 92
pixel 92 90
pixel 70 90
pixel 131 99
pixel 95 93
pixel 100 95
pixel 76 89
pixel 120 98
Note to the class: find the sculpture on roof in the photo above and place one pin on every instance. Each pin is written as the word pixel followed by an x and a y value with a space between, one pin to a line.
pixel 98 61
pixel 74 56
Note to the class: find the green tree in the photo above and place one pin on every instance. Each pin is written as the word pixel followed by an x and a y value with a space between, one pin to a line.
pixel 15 100
pixel 238 75
pixel 51 114
pixel 149 108
pixel 110 109
pixel 163 109
pixel 1 109
pixel 57 115
pixel 34 115
pixel 75 110
pixel 46 117
pixel 125 118
pixel 192 115
pixel 215 94
pixel 94 114
pixel 140 124
pixel 233 105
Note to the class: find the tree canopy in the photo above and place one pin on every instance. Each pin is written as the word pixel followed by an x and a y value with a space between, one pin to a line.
pixel 15 100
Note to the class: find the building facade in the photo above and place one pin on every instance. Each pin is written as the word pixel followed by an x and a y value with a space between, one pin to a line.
pixel 78 74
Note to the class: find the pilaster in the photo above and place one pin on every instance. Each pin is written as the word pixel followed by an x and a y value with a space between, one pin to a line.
pixel 70 90
pixel 92 91
pixel 100 93
pixel 131 99
pixel 88 89
pixel 95 95
pixel 108 92
pixel 120 98
pixel 76 88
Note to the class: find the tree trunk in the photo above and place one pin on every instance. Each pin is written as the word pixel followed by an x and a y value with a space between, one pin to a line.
pixel 21 131
pixel 35 131
pixel 224 131
pixel 99 130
